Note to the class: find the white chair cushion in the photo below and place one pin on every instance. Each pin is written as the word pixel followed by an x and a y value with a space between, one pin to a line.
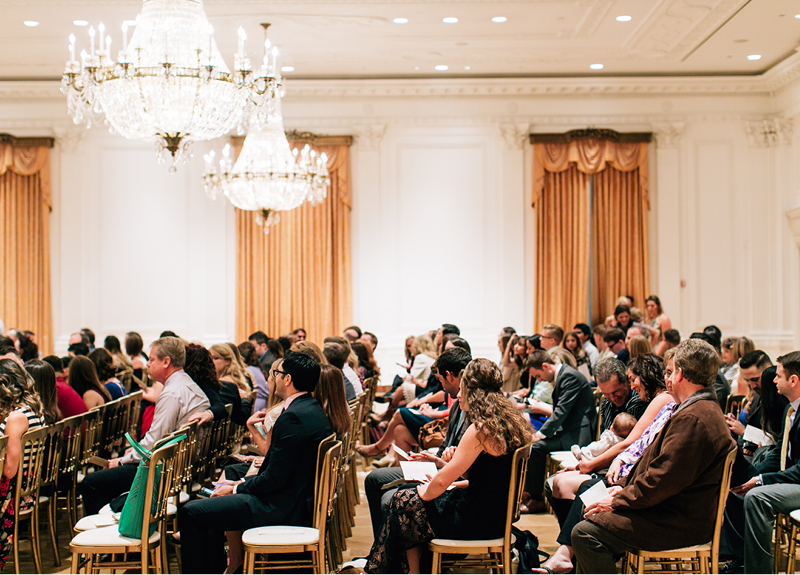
pixel 105 510
pixel 281 535
pixel 795 515
pixel 108 537
pixel 468 542
pixel 184 497
pixel 95 521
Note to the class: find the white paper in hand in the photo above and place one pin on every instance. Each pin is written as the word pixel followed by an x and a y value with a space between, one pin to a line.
pixel 594 494
pixel 755 435
pixel 400 452
pixel 418 470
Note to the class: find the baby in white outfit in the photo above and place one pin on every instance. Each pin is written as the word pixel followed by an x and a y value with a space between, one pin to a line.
pixel 619 430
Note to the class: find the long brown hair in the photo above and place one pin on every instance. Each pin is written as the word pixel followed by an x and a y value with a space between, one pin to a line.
pixel 17 389
pixel 330 395
pixel 498 422
pixel 44 382
pixel 83 377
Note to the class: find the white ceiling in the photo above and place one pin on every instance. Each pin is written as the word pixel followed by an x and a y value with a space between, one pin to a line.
pixel 357 39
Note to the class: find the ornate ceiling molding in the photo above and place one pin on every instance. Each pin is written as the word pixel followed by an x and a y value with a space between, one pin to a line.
pixel 668 133
pixel 369 136
pixel 514 135
pixel 769 133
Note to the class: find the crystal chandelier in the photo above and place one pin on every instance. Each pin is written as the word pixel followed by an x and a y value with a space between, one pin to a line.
pixel 268 177
pixel 169 83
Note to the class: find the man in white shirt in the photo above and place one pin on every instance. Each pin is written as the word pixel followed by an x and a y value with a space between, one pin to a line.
pixel 585 335
pixel 179 400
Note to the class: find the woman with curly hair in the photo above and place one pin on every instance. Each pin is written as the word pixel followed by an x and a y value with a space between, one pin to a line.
pixel 20 411
pixel 476 509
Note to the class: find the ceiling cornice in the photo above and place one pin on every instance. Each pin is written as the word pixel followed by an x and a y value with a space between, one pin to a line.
pixel 776 78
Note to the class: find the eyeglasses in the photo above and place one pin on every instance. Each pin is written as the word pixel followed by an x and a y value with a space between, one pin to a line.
pixel 274 371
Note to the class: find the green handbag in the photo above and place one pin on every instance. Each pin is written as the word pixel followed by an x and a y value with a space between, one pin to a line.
pixel 132 515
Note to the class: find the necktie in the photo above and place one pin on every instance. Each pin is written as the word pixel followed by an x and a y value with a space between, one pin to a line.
pixel 787 428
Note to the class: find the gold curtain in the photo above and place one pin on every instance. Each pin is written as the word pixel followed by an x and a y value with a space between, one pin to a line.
pixel 619 229
pixel 562 251
pixel 25 205
pixel 298 275
pixel 562 262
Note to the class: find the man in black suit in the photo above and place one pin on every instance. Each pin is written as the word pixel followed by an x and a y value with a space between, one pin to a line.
pixel 776 489
pixel 572 422
pixel 283 490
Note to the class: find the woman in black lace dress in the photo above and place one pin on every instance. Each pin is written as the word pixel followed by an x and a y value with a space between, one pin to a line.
pixel 476 508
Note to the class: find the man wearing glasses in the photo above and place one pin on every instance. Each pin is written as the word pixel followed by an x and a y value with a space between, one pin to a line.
pixel 751 366
pixel 551 337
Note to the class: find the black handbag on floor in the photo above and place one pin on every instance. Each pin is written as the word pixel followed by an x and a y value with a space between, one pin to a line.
pixel 527 546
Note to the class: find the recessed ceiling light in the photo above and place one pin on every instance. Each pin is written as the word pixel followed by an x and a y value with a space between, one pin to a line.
pixel 499 19
pixel 400 20
pixel 797 16
pixel 81 22
pixel 449 20
pixel 467 67
pixel 416 67
pixel 754 57
pixel 623 18
pixel 287 68
pixel 596 66
pixel 31 23
pixel 440 68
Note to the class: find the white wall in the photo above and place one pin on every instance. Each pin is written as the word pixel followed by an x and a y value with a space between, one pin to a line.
pixel 442 226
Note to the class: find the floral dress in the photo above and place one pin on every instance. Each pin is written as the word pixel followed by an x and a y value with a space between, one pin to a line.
pixel 7 490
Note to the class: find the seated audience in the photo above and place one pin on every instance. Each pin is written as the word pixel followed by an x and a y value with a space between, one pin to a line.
pixel 514 350
pixel 107 373
pixel 178 401
pixel 615 344
pixel 250 360
pixel 449 367
pixel 78 349
pixel 367 367
pixel 352 333
pixel 599 333
pixel 282 491
pixel 620 429
pixel 348 368
pixel 134 346
pixel 233 388
pixel 28 350
pixel 476 511
pixel 671 339
pixel 572 421
pixel 637 345
pixel 20 411
pixel 646 376
pixel 669 498
pixel 90 337
pixel 300 335
pixel 83 379
pixel 70 403
pixel 416 380
pixel 751 366
pixel 330 395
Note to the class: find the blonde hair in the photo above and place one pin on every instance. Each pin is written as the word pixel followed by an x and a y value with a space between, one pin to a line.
pixel 638 345
pixel 248 377
pixel 565 356
pixel 423 344
pixel 233 369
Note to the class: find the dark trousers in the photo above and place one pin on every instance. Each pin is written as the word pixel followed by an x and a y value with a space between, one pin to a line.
pixel 574 512
pixel 101 487
pixel 537 464
pixel 203 523
pixel 597 549
pixel 378 498
pixel 731 536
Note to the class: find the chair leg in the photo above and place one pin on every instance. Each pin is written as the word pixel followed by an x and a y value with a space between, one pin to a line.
pixel 792 549
pixel 639 564
pixel 76 558
pixel 53 518
pixel 506 560
pixel 436 567
pixel 145 559
pixel 37 558
pixel 249 562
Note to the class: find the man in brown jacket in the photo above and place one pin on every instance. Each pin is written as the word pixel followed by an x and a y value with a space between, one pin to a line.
pixel 670 496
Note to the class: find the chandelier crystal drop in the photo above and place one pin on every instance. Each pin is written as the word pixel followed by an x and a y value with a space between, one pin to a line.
pixel 267 177
pixel 170 83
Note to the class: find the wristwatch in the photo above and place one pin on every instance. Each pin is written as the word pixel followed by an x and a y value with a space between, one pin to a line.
pixel 759 481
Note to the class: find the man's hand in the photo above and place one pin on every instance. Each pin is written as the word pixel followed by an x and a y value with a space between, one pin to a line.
pixel 112 463
pixel 744 487
pixel 223 488
pixel 734 424
pixel 257 417
pixel 203 417
pixel 604 504
pixel 537 437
